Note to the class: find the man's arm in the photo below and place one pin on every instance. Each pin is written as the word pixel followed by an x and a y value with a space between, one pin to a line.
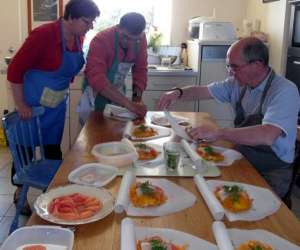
pixel 188 93
pixel 253 135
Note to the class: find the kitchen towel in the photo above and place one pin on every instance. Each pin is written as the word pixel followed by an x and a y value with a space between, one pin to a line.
pixel 128 241
pixel 221 235
pixel 123 195
pixel 199 162
pixel 212 203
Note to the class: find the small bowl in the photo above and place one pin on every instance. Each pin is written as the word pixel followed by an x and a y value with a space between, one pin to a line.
pixel 114 153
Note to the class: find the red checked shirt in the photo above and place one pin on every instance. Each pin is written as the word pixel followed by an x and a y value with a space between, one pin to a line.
pixel 101 55
pixel 42 50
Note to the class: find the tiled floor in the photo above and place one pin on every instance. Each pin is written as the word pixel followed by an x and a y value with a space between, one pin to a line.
pixel 7 209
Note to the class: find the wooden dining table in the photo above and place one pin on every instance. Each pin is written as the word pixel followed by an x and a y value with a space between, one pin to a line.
pixel 196 220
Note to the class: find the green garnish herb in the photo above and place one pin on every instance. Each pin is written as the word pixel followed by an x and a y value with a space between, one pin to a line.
pixel 141 146
pixel 208 150
pixel 142 127
pixel 146 188
pixel 256 248
pixel 233 192
pixel 157 245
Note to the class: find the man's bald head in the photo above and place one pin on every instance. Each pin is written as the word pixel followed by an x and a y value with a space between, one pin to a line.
pixel 250 49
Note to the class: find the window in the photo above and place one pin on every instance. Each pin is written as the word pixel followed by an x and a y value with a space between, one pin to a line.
pixel 156 12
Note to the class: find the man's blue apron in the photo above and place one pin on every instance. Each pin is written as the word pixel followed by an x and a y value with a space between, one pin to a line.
pixel 49 89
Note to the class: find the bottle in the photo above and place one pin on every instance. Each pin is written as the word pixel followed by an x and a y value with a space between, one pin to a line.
pixel 184 55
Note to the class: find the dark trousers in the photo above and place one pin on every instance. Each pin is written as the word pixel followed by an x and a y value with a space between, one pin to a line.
pixel 276 172
pixel 52 152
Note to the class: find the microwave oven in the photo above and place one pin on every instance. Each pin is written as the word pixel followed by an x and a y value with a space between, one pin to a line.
pixel 210 30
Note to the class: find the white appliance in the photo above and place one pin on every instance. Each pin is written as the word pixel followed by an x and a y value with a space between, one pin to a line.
pixel 209 29
pixel 216 31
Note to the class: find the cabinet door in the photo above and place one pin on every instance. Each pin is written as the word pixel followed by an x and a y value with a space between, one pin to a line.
pixel 150 98
pixel 165 82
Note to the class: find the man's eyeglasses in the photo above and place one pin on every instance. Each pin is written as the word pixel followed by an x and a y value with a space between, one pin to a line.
pixel 235 67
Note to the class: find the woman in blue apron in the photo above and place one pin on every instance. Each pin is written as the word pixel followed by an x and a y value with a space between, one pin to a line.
pixel 123 39
pixel 49 88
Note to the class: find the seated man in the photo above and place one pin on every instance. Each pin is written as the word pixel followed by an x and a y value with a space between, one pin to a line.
pixel 266 107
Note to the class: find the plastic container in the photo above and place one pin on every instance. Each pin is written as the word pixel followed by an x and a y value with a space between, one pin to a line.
pixel 63 238
pixel 117 154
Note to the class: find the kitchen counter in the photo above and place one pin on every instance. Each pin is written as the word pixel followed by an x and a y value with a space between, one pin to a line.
pixel 157 70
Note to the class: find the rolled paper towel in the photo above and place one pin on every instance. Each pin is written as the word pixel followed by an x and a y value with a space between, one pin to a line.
pixel 128 241
pixel 197 160
pixel 212 203
pixel 179 130
pixel 123 195
pixel 221 235
pixel 131 146
pixel 128 129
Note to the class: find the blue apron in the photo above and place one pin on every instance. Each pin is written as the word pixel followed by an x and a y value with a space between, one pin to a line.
pixel 42 85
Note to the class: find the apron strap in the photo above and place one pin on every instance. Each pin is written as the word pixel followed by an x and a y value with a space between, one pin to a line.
pixel 268 85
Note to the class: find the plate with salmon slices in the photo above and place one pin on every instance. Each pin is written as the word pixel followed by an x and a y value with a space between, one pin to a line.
pixel 74 204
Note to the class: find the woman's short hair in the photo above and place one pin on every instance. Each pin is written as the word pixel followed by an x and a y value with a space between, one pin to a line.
pixel 255 50
pixel 133 22
pixel 81 8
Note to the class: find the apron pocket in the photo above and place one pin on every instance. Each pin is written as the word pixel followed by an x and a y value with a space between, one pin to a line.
pixel 51 98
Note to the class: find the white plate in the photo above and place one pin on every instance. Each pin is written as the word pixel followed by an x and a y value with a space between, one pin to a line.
pixel 264 202
pixel 162 120
pixel 93 174
pixel 174 236
pixel 161 132
pixel 240 236
pixel 154 162
pixel 230 155
pixel 42 202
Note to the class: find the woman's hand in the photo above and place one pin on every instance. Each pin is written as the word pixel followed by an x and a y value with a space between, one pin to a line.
pixel 24 111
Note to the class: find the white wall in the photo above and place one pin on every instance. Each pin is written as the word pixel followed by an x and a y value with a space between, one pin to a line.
pixel 274 17
pixel 183 10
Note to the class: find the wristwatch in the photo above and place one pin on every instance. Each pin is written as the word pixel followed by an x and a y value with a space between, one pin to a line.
pixel 180 91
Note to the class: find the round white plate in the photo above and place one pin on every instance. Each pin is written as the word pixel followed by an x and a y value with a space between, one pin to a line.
pixel 154 162
pixel 174 236
pixel 161 132
pixel 93 174
pixel 230 155
pixel 42 202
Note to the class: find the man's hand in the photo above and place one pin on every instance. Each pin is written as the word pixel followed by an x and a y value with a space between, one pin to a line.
pixel 205 132
pixel 24 111
pixel 138 108
pixel 167 99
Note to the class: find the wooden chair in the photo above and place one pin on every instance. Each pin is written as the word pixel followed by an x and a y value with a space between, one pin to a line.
pixel 31 170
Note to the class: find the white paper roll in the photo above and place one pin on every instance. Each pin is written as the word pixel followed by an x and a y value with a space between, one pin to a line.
pixel 212 203
pixel 127 130
pixel 221 235
pixel 179 130
pixel 197 160
pixel 130 145
pixel 128 241
pixel 123 199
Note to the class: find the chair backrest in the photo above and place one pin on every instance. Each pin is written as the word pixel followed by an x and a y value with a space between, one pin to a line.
pixel 23 137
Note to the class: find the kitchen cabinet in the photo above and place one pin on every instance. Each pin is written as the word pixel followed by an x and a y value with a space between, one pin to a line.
pixel 160 82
